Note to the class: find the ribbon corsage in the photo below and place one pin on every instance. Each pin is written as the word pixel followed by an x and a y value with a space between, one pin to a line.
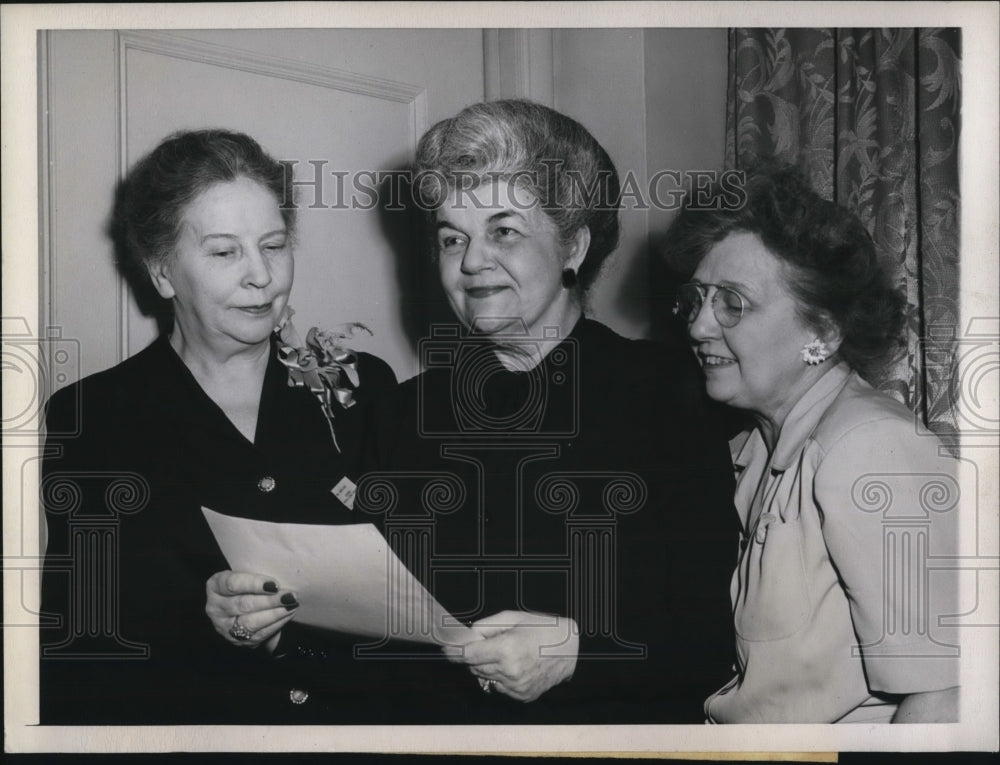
pixel 324 364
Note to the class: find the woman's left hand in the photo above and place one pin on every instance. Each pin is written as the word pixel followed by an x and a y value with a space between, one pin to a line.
pixel 261 607
pixel 524 654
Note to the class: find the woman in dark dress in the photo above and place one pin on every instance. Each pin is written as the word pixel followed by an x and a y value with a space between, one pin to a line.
pixel 563 490
pixel 203 417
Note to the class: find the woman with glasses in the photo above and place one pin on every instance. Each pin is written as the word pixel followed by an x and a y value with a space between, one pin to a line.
pixel 843 503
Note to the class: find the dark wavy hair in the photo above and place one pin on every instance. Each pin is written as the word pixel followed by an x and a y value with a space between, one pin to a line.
pixel 549 154
pixel 831 264
pixel 151 200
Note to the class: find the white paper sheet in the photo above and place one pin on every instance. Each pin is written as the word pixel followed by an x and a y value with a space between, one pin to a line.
pixel 346 578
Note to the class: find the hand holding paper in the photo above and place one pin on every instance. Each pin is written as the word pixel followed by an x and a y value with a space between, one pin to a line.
pixel 255 600
pixel 346 578
pixel 523 654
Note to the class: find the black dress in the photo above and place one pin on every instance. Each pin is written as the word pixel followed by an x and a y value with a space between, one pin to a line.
pixel 132 455
pixel 597 486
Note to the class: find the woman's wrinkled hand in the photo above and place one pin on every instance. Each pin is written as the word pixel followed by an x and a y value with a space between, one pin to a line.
pixel 524 654
pixel 256 601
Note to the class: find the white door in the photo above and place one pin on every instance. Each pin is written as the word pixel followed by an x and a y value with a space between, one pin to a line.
pixel 345 105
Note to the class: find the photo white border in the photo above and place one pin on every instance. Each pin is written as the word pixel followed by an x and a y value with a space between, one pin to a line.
pixel 979 279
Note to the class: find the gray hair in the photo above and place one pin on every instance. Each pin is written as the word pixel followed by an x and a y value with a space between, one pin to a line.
pixel 150 202
pixel 537 148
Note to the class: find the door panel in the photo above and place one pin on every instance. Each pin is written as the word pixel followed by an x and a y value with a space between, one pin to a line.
pixel 342 101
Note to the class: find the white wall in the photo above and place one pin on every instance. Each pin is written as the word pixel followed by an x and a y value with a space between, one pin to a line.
pixel 655 98
pixel 356 100
pixel 599 81
pixel 685 85
pixel 79 165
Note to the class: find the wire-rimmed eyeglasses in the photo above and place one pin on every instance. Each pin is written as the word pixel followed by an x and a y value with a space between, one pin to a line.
pixel 727 303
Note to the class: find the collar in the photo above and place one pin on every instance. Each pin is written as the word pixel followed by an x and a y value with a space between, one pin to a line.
pixel 582 328
pixel 178 387
pixel 800 422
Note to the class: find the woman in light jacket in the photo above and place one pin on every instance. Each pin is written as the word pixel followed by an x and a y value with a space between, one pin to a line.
pixel 843 502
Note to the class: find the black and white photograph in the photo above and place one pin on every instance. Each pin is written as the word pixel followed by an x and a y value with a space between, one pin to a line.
pixel 501 378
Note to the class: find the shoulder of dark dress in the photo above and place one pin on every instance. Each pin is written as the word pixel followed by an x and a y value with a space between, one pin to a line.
pixel 426 382
pixel 377 377
pixel 117 388
pixel 637 360
pixel 392 421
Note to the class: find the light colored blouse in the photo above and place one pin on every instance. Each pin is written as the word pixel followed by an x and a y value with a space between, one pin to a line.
pixel 836 598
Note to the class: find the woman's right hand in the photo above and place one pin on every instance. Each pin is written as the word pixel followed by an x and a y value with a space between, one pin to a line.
pixel 256 601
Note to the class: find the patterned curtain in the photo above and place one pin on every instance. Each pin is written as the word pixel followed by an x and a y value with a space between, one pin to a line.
pixel 872 117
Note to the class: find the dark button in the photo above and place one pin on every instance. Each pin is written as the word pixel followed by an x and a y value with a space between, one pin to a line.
pixel 266 484
pixel 298 696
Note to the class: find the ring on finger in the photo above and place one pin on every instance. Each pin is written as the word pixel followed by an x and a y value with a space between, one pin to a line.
pixel 240 633
pixel 487 685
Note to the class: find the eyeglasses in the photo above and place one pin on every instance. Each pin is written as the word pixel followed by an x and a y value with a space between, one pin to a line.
pixel 727 303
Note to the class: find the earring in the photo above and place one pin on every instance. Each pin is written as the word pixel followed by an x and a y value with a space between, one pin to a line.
pixel 815 353
pixel 568 278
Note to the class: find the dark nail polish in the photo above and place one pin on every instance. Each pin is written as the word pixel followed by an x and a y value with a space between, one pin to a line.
pixel 288 599
pixel 270 586
pixel 291 606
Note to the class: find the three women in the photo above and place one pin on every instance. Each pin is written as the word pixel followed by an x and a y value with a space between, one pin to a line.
pixel 587 542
